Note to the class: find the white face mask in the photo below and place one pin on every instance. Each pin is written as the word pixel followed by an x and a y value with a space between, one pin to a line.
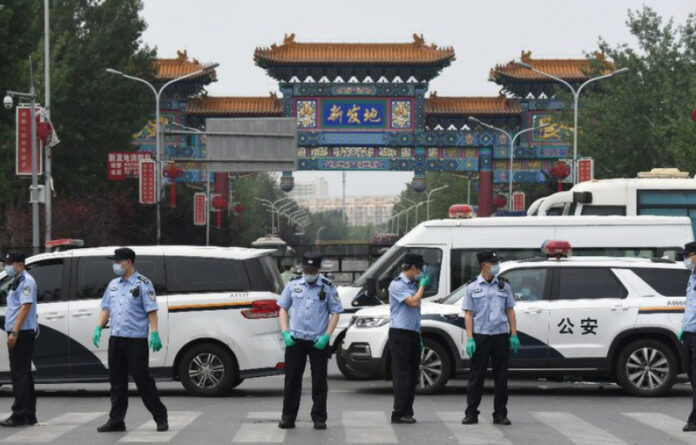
pixel 689 264
pixel 311 278
pixel 495 269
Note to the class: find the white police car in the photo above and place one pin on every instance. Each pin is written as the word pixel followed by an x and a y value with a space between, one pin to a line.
pixel 582 317
pixel 218 317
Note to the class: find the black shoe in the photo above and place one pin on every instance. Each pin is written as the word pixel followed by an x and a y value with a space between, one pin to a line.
pixel 501 421
pixel 319 425
pixel 109 427
pixel 470 420
pixel 12 422
pixel 403 420
pixel 163 426
pixel 31 421
pixel 689 427
pixel 286 424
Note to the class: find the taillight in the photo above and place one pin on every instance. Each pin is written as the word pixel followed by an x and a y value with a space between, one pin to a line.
pixel 262 309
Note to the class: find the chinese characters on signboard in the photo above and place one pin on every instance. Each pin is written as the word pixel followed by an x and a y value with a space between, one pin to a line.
pixel 125 164
pixel 588 326
pixel 147 182
pixel 518 201
pixel 354 113
pixel 199 214
pixel 23 149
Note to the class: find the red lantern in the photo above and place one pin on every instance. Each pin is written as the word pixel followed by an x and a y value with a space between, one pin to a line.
pixel 560 171
pixel 172 172
pixel 500 201
pixel 238 208
pixel 219 203
pixel 693 115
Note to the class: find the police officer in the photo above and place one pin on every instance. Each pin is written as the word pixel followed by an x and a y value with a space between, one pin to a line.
pixel 20 325
pixel 313 304
pixel 687 335
pixel 492 331
pixel 131 303
pixel 405 294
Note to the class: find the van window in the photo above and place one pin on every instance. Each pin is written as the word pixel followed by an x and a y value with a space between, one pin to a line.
pixel 577 283
pixel 603 210
pixel 263 275
pixel 464 265
pixel 433 264
pixel 632 252
pixel 49 280
pixel 667 282
pixel 528 284
pixel 668 203
pixel 201 274
pixel 95 273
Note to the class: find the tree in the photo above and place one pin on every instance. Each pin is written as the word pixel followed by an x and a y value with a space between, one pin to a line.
pixel 640 120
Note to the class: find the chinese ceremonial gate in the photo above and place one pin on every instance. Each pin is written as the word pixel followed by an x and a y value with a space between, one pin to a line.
pixel 364 107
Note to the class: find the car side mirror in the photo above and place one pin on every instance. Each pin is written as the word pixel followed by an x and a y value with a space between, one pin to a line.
pixel 371 289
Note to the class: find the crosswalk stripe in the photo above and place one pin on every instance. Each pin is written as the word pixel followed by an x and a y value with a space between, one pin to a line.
pixel 481 434
pixel 263 428
pixel 664 423
pixel 53 429
pixel 577 430
pixel 368 427
pixel 147 432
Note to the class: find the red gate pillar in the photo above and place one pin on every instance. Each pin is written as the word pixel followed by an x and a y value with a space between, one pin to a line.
pixel 221 188
pixel 485 197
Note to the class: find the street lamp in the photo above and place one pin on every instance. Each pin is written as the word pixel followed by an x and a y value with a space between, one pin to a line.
pixel 576 95
pixel 428 200
pixel 158 94
pixel 512 148
pixel 408 208
pixel 318 237
pixel 418 206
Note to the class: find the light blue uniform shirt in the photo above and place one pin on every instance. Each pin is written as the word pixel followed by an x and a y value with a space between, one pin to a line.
pixel 489 303
pixel 128 312
pixel 403 316
pixel 309 313
pixel 24 294
pixel 689 321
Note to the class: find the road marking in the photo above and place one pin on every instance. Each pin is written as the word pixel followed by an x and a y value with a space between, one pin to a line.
pixel 577 430
pixel 368 427
pixel 664 423
pixel 263 428
pixel 53 429
pixel 147 432
pixel 481 434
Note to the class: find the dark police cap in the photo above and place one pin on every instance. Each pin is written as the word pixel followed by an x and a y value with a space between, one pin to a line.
pixel 14 257
pixel 413 259
pixel 123 253
pixel 488 256
pixel 690 248
pixel 311 259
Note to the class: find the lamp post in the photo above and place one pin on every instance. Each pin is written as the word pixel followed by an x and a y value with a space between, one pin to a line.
pixel 319 233
pixel 413 203
pixel 417 207
pixel 576 96
pixel 512 139
pixel 158 94
pixel 33 194
pixel 428 200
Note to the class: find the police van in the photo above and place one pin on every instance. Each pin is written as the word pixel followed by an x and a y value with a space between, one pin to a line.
pixel 581 317
pixel 449 249
pixel 218 317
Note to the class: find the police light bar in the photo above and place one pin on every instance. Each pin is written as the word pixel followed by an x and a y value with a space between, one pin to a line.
pixel 461 211
pixel 556 248
pixel 64 243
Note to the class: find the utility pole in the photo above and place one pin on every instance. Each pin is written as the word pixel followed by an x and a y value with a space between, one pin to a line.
pixel 48 187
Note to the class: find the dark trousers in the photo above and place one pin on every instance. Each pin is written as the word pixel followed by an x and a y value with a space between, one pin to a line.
pixel 405 364
pixel 130 356
pixel 24 406
pixel 497 349
pixel 689 339
pixel 295 361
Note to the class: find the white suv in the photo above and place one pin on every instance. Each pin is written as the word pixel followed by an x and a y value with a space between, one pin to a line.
pixel 218 317
pixel 583 317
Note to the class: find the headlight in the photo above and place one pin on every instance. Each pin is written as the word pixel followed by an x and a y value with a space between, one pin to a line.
pixel 370 322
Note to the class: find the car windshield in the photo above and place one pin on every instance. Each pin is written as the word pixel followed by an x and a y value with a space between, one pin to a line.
pixel 455 296
pixel 377 265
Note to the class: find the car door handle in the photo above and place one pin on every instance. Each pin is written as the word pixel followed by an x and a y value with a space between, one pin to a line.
pixel 54 316
pixel 532 310
pixel 619 307
pixel 82 313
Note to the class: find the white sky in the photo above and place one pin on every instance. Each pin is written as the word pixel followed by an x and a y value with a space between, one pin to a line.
pixel 483 33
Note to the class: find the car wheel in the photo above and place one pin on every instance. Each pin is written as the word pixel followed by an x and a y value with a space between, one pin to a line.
pixel 435 368
pixel 646 368
pixel 208 369
pixel 348 372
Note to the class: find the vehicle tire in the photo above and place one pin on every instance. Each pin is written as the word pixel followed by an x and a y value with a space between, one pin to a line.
pixel 646 368
pixel 435 367
pixel 208 369
pixel 348 372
